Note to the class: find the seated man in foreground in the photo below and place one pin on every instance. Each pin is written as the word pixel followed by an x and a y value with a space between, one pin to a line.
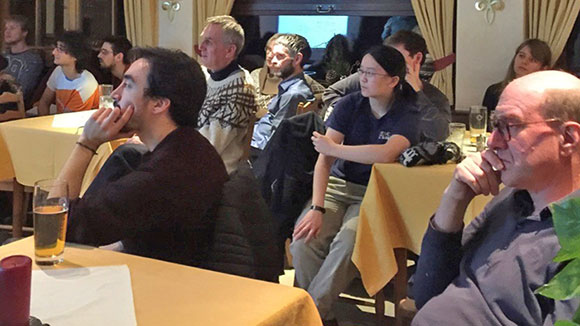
pixel 487 273
pixel 162 207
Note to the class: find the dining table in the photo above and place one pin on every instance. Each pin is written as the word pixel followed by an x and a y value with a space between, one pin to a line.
pixel 395 212
pixel 33 149
pixel 166 293
pixel 37 148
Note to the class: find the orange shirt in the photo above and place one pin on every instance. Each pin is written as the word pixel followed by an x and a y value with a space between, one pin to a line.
pixel 74 95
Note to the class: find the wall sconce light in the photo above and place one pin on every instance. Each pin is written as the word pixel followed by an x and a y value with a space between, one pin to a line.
pixel 489 6
pixel 171 7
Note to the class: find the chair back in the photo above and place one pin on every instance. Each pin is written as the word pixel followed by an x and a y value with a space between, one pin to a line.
pixel 243 242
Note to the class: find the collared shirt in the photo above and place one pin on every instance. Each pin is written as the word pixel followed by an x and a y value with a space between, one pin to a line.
pixel 290 92
pixel 487 274
pixel 434 106
pixel 353 118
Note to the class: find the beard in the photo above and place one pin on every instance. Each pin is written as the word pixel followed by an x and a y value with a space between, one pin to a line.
pixel 286 71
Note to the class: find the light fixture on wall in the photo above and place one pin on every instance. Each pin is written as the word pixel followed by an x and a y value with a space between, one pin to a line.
pixel 171 7
pixel 489 7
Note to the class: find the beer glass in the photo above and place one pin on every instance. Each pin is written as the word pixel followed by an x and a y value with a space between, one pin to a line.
pixel 477 122
pixel 50 207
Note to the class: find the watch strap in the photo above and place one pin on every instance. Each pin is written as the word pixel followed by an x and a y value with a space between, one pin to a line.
pixel 318 208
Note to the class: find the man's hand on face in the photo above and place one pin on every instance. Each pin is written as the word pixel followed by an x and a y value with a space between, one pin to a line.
pixel 412 76
pixel 478 174
pixel 105 125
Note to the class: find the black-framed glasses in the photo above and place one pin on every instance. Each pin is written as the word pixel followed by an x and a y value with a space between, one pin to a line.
pixel 369 74
pixel 504 128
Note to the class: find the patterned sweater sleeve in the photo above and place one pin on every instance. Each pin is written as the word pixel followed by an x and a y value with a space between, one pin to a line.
pixel 226 114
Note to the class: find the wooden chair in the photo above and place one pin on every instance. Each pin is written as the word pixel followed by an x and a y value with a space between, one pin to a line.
pixel 17 98
pixel 21 194
pixel 20 200
pixel 304 107
pixel 396 290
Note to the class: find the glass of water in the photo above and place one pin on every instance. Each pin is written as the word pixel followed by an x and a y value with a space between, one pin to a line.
pixel 105 98
pixel 457 133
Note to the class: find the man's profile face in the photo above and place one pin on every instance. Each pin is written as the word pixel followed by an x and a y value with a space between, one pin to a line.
pixel 13 33
pixel 131 93
pixel 532 152
pixel 106 56
pixel 214 51
pixel 279 61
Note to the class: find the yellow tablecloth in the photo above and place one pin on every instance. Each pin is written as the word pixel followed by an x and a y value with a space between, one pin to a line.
pixel 395 213
pixel 172 294
pixel 6 170
pixel 38 151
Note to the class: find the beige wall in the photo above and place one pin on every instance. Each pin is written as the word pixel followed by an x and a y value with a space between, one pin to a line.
pixel 178 33
pixel 484 51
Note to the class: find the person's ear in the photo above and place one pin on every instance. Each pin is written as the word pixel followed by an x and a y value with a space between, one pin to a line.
pixel 570 138
pixel 298 59
pixel 394 81
pixel 231 51
pixel 161 105
pixel 119 57
pixel 418 57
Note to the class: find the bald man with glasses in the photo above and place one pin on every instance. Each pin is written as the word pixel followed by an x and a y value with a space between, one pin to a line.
pixel 486 274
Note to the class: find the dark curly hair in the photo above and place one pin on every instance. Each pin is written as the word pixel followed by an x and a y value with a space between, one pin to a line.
pixel 76 45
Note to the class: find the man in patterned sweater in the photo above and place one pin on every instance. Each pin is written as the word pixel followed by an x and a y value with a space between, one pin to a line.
pixel 230 101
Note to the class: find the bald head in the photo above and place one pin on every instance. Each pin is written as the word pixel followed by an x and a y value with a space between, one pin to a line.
pixel 555 94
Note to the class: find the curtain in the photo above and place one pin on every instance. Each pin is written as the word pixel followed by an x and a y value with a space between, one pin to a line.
pixel 203 9
pixel 141 22
pixel 72 16
pixel 435 19
pixel 551 21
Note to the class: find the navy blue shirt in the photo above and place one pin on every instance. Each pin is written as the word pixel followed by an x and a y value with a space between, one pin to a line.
pixel 290 92
pixel 353 118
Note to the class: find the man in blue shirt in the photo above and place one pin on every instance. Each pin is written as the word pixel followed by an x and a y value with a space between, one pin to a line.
pixel 286 56
pixel 486 274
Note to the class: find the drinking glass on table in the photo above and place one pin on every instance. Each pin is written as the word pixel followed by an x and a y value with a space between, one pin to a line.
pixel 457 133
pixel 105 98
pixel 477 123
pixel 50 207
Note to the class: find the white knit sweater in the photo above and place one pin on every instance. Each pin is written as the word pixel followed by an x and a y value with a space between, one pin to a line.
pixel 226 114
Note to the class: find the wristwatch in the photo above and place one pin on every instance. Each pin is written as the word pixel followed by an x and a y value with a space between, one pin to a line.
pixel 318 208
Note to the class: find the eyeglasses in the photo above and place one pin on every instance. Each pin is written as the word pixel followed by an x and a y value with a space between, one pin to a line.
pixel 370 74
pixel 503 127
pixel 105 51
pixel 60 48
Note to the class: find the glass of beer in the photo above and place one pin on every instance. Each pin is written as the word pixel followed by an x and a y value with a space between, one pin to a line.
pixel 50 207
pixel 477 122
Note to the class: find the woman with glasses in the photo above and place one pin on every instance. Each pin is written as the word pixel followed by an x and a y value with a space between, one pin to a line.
pixel 531 56
pixel 374 125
